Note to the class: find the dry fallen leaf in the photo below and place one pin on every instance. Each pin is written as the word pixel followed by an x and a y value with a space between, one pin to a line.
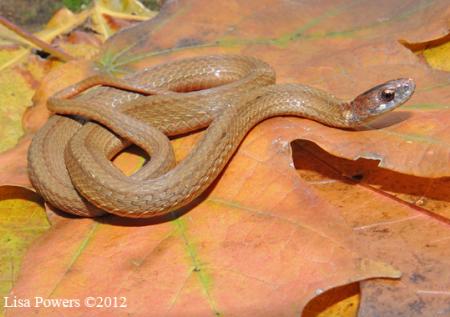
pixel 264 240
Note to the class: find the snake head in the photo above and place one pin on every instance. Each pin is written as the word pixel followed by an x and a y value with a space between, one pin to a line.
pixel 378 100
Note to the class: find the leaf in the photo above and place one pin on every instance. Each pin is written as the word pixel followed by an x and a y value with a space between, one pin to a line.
pixel 264 240
pixel 437 57
pixel 230 243
pixel 18 86
pixel 22 221
pixel 411 238
pixel 110 16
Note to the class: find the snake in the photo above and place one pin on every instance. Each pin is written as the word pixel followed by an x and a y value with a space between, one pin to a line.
pixel 69 159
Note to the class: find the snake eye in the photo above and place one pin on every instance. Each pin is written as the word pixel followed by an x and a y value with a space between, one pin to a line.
pixel 388 94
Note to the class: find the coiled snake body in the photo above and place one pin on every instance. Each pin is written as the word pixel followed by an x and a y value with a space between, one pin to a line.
pixel 229 94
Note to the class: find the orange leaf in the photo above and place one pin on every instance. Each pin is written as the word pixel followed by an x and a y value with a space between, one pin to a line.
pixel 272 244
pixel 264 241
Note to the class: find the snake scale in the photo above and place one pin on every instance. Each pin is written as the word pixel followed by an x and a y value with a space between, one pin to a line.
pixel 69 160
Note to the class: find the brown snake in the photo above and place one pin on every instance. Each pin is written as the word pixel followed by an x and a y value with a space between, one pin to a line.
pixel 229 94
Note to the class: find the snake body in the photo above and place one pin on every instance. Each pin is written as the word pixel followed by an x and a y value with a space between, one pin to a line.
pixel 69 160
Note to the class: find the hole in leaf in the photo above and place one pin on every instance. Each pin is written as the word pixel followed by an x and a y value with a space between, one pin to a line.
pixel 41 54
pixel 435 52
pixel 339 301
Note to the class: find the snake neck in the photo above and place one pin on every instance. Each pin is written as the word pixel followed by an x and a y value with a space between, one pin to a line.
pixel 303 101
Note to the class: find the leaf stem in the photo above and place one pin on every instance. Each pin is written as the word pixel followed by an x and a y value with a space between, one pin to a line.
pixel 56 52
